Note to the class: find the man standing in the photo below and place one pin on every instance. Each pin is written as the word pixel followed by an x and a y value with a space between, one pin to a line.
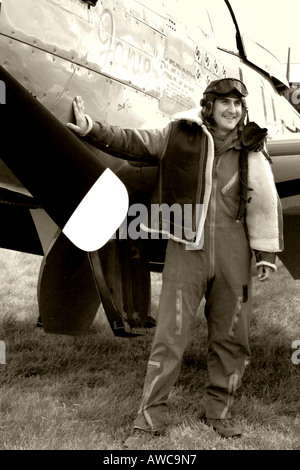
pixel 203 162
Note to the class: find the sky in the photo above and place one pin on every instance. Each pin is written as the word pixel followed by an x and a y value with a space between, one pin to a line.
pixel 275 24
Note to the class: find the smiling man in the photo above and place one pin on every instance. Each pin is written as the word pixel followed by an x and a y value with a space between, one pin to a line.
pixel 203 162
pixel 227 113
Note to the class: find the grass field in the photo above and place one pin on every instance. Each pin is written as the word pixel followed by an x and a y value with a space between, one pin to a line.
pixel 83 393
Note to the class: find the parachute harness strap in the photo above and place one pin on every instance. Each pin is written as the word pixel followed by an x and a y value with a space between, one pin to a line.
pixel 244 199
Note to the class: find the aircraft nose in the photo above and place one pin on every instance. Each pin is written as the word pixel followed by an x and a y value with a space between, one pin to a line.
pixel 78 192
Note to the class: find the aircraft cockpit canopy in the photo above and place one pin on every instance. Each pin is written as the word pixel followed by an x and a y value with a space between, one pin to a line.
pixel 92 3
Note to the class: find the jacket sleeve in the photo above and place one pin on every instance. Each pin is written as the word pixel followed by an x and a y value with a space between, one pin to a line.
pixel 131 144
pixel 265 259
pixel 264 213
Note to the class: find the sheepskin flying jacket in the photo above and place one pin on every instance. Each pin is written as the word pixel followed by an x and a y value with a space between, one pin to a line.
pixel 184 151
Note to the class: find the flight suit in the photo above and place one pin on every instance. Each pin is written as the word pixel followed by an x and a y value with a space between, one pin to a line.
pixel 192 173
pixel 221 272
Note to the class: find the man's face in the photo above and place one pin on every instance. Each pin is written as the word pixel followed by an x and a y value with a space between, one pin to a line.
pixel 227 113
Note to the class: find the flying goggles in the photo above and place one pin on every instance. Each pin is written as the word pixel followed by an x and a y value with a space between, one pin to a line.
pixel 224 86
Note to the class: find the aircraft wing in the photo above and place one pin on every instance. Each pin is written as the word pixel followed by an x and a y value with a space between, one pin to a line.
pixel 285 153
pixel 17 207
